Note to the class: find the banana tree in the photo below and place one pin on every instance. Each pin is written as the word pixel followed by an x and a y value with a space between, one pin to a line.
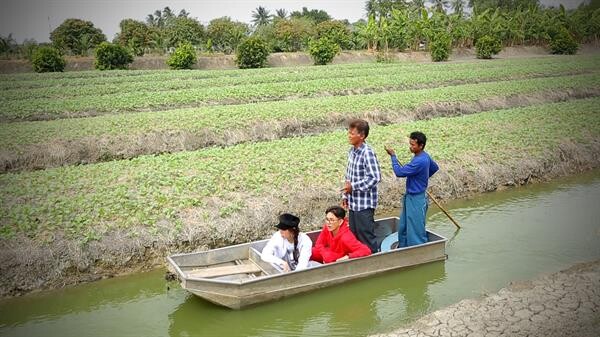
pixel 417 28
pixel 492 23
pixel 515 24
pixel 398 24
pixel 461 31
pixel 368 32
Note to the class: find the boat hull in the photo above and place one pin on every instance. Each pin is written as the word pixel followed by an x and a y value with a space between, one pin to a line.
pixel 239 291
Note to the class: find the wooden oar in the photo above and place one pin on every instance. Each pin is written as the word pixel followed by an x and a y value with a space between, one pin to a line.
pixel 443 210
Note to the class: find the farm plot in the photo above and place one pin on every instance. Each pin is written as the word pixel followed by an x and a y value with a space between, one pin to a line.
pixel 85 202
pixel 87 103
pixel 41 144
pixel 246 76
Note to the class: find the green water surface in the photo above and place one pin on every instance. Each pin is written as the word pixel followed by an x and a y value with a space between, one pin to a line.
pixel 510 235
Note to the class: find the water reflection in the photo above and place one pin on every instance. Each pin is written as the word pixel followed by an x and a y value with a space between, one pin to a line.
pixel 346 309
pixel 52 305
pixel 134 305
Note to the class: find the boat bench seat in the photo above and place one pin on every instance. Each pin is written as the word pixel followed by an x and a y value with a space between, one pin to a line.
pixel 249 268
pixel 267 268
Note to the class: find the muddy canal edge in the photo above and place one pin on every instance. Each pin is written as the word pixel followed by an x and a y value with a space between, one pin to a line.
pixel 27 266
pixel 566 303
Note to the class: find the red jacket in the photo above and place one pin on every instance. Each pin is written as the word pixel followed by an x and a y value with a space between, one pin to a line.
pixel 329 248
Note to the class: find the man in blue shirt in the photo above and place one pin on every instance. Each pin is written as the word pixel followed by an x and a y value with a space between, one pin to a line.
pixel 411 229
pixel 360 189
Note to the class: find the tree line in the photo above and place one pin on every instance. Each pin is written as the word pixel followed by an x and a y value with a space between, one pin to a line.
pixel 389 25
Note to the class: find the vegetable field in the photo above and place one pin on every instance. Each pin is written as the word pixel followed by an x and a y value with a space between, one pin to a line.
pixel 77 161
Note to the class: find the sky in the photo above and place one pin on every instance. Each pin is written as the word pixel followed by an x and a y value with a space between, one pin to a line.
pixel 35 19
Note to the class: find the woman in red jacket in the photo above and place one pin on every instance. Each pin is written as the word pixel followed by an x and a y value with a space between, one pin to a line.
pixel 336 242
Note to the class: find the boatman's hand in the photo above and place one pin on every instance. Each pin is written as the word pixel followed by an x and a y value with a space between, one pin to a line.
pixel 345 257
pixel 285 267
pixel 347 187
pixel 345 203
pixel 389 150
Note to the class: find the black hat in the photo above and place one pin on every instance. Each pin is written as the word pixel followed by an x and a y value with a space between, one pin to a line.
pixel 287 221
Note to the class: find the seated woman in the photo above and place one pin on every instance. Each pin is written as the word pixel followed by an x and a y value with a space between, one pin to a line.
pixel 288 249
pixel 336 242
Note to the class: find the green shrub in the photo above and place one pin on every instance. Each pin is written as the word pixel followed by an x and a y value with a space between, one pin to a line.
pixel 47 59
pixel 440 46
pixel 323 50
pixel 487 46
pixel 252 53
pixel 563 43
pixel 184 57
pixel 336 31
pixel 111 56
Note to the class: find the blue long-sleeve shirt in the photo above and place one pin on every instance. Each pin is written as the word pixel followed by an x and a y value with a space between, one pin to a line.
pixel 417 172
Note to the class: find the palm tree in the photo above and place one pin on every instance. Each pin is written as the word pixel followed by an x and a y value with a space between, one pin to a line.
pixel 7 43
pixel 183 14
pixel 417 6
pixel 372 8
pixel 261 16
pixel 160 18
pixel 458 6
pixel 83 45
pixel 155 20
pixel 440 5
pixel 281 13
pixel 383 8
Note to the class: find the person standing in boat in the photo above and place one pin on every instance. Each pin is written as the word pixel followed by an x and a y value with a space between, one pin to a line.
pixel 411 227
pixel 288 249
pixel 336 242
pixel 360 189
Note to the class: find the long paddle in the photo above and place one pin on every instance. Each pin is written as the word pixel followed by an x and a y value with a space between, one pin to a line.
pixel 443 210
pixel 433 199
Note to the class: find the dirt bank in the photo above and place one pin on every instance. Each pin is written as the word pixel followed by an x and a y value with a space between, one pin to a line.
pixel 27 265
pixel 286 59
pixel 566 303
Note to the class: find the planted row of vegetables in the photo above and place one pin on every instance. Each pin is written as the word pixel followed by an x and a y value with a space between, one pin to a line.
pixel 86 200
pixel 308 111
pixel 94 78
pixel 145 100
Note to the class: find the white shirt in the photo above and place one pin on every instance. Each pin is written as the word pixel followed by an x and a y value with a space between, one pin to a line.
pixel 279 250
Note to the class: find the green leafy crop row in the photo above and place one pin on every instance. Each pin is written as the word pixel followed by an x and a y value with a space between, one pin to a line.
pixel 219 119
pixel 33 108
pixel 141 191
pixel 94 78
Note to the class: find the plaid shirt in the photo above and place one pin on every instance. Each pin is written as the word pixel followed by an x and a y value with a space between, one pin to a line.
pixel 364 174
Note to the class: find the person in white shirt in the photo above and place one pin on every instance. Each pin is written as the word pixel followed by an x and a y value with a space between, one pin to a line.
pixel 288 249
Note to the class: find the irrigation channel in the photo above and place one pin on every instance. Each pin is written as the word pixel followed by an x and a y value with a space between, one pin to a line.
pixel 509 235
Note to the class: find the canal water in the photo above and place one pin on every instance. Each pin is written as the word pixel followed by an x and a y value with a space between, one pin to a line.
pixel 510 235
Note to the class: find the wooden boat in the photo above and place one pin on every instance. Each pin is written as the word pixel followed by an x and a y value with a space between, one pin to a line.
pixel 236 277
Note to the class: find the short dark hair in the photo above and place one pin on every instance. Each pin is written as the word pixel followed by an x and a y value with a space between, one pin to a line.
pixel 339 212
pixel 361 125
pixel 419 137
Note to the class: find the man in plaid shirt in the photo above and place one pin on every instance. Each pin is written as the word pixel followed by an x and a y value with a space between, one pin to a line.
pixel 360 189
